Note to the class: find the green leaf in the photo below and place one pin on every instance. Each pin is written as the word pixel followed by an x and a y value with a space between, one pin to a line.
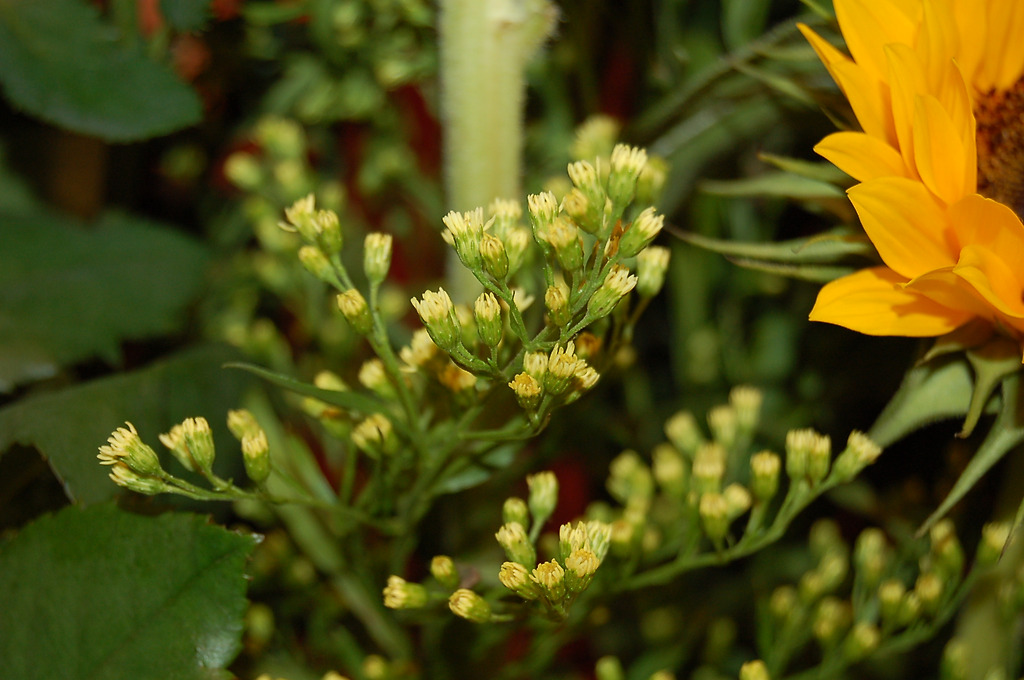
pixel 804 272
pixel 186 15
pixel 823 248
pixel 821 172
pixel 930 392
pixel 743 21
pixel 1006 433
pixel 992 363
pixel 61 62
pixel 104 594
pixel 68 426
pixel 70 292
pixel 481 470
pixel 349 401
pixel 785 184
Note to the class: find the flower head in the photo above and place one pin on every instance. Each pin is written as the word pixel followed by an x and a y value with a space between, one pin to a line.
pixel 937 90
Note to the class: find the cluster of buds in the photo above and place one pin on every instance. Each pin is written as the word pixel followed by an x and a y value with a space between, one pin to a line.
pixel 552 585
pixel 559 375
pixel 706 481
pixel 136 466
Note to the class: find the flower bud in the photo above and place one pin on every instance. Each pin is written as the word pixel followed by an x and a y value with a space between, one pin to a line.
pixel 860 452
pixel 543 495
pixel 550 576
pixel 616 286
pixel 579 208
pixel 517 244
pixel 527 390
pixel 373 377
pixel 626 164
pixel 470 606
pixel 956 661
pixel 737 500
pixel 465 231
pixel 256 456
pixel 199 440
pixel 516 578
pixel 242 422
pixel 355 310
pixel 746 401
pixel 543 208
pixel 948 555
pixel 488 319
pixel 708 468
pixel 651 267
pixel 641 232
pixel 562 368
pixel 122 475
pixel 670 470
pixel 377 256
pixel 798 450
pixel 515 510
pixel 714 516
pixel 374 436
pixel 243 170
pixel 724 425
pixel 557 302
pixel 764 475
pixel 599 536
pixel 863 639
pixel 586 178
pixel 580 567
pixel 994 537
pixel 438 314
pixel 400 594
pixel 754 670
pixel 125 446
pixel 682 430
pixel 784 604
pixel 315 263
pixel 565 239
pixel 818 459
pixel 496 260
pixel 609 668
pixel 891 594
pixel 512 537
pixel 871 556
pixel 929 590
pixel 651 180
pixel 594 137
pixel 831 621
pixel 443 569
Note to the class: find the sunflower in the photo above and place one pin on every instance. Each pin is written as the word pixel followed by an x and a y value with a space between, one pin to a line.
pixel 937 88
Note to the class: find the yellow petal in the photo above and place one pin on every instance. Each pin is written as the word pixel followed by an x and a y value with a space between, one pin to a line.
pixel 867 93
pixel 874 301
pixel 906 82
pixel 948 290
pixel 938 150
pixel 869 25
pixel 980 220
pixel 938 42
pixel 1004 48
pixel 905 223
pixel 993 279
pixel 862 156
pixel 972 24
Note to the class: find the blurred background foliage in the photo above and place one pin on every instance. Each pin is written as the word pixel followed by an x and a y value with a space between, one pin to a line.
pixel 139 251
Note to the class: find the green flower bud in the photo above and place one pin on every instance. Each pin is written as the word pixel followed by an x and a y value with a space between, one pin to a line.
pixel 651 267
pixel 543 495
pixel 724 425
pixel 557 302
pixel 682 430
pixel 438 314
pixel 355 310
pixel 465 231
pixel 256 456
pixel 528 391
pixel 626 164
pixel 714 516
pixel 550 576
pixel 315 263
pixel 488 319
pixel 443 569
pixel 126 447
pixel 377 256
pixel 470 606
pixel 400 594
pixel 515 510
pixel 863 639
pixel 616 286
pixel 641 232
pixel 516 578
pixel 754 670
pixel 495 259
pixel 512 537
pixel 994 537
pixel 764 475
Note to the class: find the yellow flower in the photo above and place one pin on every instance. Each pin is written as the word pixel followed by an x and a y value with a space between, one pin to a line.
pixel 937 88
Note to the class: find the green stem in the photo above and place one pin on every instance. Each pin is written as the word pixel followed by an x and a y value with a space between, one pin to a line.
pixel 485 45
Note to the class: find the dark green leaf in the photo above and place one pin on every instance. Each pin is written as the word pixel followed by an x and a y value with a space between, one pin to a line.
pixel 61 62
pixel 804 272
pixel 70 292
pixel 104 594
pixel 349 401
pixel 743 21
pixel 930 392
pixel 68 426
pixel 822 172
pixel 1006 433
pixel 480 471
pixel 186 15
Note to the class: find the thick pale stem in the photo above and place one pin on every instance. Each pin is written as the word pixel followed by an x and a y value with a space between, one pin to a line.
pixel 485 45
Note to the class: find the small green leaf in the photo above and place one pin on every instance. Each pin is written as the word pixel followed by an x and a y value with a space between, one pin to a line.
pixel 804 272
pixel 992 363
pixel 69 291
pixel 102 593
pixel 930 392
pixel 61 62
pixel 68 426
pixel 186 15
pixel 1007 432
pixel 349 401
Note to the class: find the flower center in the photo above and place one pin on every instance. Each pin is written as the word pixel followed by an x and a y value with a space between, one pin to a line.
pixel 1000 116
